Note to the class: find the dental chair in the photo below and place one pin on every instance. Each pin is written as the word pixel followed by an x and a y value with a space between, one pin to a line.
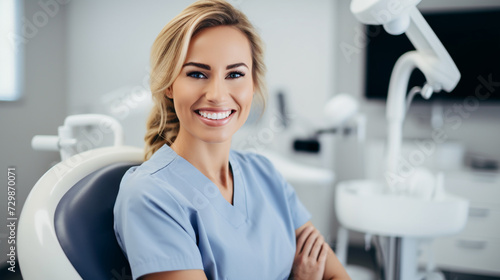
pixel 66 225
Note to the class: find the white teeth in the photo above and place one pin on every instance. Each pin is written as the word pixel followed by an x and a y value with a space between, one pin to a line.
pixel 215 116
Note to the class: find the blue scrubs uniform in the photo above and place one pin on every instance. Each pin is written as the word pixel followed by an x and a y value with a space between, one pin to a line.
pixel 169 216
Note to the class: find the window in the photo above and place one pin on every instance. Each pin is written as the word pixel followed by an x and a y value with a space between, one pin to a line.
pixel 11 50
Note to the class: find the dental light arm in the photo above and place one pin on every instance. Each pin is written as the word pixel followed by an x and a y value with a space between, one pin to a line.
pixel 397 17
pixel 65 142
pixel 435 62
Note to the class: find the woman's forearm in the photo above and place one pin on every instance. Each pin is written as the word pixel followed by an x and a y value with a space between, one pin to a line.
pixel 334 270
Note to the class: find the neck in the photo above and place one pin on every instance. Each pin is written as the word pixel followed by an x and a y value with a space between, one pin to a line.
pixel 211 159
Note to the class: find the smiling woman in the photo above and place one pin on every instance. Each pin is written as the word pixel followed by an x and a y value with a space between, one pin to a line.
pixel 11 50
pixel 196 209
pixel 168 62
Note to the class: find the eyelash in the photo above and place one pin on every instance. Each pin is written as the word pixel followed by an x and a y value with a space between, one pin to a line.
pixel 196 75
pixel 237 73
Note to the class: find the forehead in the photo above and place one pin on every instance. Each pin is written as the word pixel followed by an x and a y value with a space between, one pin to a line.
pixel 219 45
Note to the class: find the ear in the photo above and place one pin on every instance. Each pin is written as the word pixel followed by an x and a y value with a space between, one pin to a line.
pixel 168 93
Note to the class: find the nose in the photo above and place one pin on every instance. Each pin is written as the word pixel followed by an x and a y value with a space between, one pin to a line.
pixel 216 91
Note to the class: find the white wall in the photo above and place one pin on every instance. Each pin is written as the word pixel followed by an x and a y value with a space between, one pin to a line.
pixel 108 45
pixel 40 111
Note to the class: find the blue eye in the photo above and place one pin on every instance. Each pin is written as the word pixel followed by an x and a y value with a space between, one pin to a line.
pixel 196 75
pixel 235 75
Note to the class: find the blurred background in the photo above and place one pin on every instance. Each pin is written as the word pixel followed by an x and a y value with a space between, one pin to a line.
pixel 93 57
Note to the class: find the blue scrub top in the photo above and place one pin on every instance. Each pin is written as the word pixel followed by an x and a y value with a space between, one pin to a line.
pixel 169 216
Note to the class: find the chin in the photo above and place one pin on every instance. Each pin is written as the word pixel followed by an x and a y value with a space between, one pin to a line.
pixel 217 139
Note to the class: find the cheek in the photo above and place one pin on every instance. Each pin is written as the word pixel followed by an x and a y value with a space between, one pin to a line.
pixel 244 93
pixel 181 102
pixel 183 94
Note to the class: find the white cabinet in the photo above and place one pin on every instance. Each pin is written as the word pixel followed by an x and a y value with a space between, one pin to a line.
pixel 476 249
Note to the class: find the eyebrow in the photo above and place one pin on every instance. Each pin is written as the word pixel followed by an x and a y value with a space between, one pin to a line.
pixel 207 67
pixel 200 65
pixel 231 66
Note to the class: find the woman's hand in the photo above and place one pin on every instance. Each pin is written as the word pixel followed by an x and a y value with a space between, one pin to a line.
pixel 310 256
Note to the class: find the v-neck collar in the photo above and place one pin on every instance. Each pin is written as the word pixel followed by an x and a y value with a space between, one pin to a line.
pixel 235 213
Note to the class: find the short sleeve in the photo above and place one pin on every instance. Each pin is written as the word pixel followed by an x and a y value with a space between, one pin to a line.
pixel 153 230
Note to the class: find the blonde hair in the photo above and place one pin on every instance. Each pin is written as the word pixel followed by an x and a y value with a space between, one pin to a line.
pixel 169 51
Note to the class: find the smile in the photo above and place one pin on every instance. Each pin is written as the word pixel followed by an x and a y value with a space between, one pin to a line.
pixel 214 115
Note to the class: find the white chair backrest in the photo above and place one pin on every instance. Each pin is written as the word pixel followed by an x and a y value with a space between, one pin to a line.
pixel 41 255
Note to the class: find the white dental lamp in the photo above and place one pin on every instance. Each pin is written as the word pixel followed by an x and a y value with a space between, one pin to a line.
pixel 430 56
pixel 397 17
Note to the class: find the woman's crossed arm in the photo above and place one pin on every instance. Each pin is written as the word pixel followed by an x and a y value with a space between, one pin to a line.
pixel 314 259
